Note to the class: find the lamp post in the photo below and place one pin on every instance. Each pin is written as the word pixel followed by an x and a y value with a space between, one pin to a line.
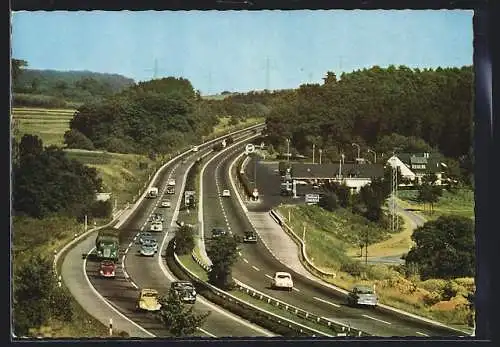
pixel 320 152
pixel 374 154
pixel 357 146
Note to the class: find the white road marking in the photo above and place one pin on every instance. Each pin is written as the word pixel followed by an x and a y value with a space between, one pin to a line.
pixel 379 320
pixel 255 268
pixel 206 332
pixel 268 276
pixel 130 244
pixel 239 253
pixel 418 332
pixel 326 302
pixel 135 285
pixel 246 261
pixel 127 249
pixel 296 289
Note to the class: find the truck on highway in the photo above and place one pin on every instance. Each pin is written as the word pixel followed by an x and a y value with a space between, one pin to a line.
pixel 152 192
pixel 107 244
pixel 170 187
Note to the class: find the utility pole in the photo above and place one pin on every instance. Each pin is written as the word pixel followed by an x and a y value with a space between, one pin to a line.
pixel 357 146
pixel 314 149
pixel 394 190
pixel 320 152
pixel 288 149
pixel 85 225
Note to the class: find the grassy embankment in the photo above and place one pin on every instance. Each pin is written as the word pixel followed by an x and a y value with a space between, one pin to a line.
pixel 460 203
pixel 326 248
pixel 122 174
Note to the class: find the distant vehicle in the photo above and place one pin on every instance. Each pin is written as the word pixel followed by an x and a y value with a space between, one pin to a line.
pixel 218 232
pixel 226 192
pixel 148 300
pixel 148 249
pixel 282 280
pixel 185 290
pixel 156 226
pixel 171 182
pixel 107 269
pixel 152 192
pixel 249 237
pixel 143 236
pixel 156 217
pixel 107 245
pixel 170 190
pixel 166 203
pixel 362 295
pixel 195 149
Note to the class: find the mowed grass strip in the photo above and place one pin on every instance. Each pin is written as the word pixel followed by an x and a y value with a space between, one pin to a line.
pixel 43 110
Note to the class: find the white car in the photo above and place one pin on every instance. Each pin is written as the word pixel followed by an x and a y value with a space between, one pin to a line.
pixel 166 203
pixel 156 226
pixel 226 192
pixel 282 280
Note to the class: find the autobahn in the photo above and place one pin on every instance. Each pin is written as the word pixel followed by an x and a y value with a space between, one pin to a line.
pixel 143 272
pixel 256 264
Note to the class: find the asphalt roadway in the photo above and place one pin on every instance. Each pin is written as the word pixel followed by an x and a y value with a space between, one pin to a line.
pixel 146 272
pixel 257 264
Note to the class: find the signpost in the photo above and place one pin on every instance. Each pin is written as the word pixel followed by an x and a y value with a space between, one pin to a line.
pixel 312 199
pixel 249 148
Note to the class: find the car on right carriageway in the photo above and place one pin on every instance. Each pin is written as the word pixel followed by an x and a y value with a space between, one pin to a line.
pixel 362 295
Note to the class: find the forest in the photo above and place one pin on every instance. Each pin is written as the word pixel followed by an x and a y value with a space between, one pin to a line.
pixel 51 88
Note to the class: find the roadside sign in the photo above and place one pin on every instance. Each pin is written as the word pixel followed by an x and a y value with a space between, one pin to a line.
pixel 249 148
pixel 312 199
pixel 255 193
pixel 188 195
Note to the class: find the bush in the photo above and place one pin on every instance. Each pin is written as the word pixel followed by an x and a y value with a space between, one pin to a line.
pixel 101 209
pixel 433 285
pixel 353 268
pixel 449 291
pixel 431 298
pixel 75 139
pixel 379 272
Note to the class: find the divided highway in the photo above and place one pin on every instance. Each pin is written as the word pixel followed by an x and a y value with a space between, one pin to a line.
pixel 135 272
pixel 257 265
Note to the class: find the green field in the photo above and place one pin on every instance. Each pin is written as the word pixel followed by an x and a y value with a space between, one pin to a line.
pixel 48 124
pixel 460 203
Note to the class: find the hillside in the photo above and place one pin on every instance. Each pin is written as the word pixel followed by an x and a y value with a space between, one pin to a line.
pixel 52 88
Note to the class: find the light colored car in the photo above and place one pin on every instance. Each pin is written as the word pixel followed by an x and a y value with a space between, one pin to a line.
pixel 362 295
pixel 143 236
pixel 195 149
pixel 148 249
pixel 226 192
pixel 156 226
pixel 148 300
pixel 166 203
pixel 282 280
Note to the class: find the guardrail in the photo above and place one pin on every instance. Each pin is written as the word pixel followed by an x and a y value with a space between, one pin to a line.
pixel 77 238
pixel 341 327
pixel 231 298
pixel 303 254
pixel 334 325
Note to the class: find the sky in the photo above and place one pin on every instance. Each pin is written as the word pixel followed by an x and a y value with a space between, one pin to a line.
pixel 239 51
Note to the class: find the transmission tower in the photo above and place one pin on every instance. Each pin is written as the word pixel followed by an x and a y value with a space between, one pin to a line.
pixel 394 192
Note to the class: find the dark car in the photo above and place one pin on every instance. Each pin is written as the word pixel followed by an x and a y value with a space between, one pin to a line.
pixel 218 232
pixel 185 290
pixel 362 295
pixel 249 237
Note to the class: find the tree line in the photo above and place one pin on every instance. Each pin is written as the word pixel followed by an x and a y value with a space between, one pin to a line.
pixel 51 88
pixel 380 109
pixel 46 182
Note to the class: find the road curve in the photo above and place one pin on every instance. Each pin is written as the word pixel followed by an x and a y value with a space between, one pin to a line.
pixel 143 272
pixel 257 265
